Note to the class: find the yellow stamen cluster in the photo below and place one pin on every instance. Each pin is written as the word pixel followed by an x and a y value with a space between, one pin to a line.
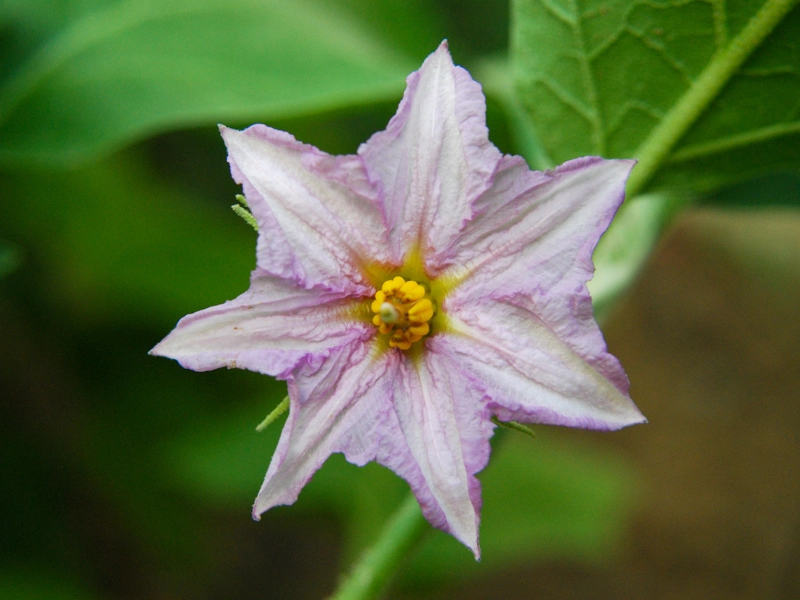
pixel 402 309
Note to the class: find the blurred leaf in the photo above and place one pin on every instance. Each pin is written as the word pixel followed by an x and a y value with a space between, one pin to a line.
pixel 223 461
pixel 664 82
pixel 541 500
pixel 117 241
pixel 626 244
pixel 782 189
pixel 414 26
pixel 9 258
pixel 137 67
pixel 495 77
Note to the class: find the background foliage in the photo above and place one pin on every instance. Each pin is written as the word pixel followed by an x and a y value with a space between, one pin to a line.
pixel 127 477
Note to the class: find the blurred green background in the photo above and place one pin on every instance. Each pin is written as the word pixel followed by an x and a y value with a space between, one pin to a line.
pixel 127 477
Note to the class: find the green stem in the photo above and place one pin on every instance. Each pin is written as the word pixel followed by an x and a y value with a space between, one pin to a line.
pixel 377 565
pixel 658 145
pixel 272 417
pixel 514 426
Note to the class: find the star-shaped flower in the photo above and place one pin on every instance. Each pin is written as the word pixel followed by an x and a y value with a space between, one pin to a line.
pixel 409 293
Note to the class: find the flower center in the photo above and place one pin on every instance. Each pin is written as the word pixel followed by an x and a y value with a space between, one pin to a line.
pixel 402 309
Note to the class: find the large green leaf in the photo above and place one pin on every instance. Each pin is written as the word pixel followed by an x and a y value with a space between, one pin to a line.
pixel 128 69
pixel 702 92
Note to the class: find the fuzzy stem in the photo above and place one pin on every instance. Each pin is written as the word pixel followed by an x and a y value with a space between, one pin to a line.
pixel 273 416
pixel 514 426
pixel 378 564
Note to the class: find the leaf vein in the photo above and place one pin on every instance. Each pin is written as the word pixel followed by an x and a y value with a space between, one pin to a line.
pixel 563 95
pixel 558 12
pixel 735 141
pixel 630 106
pixel 598 136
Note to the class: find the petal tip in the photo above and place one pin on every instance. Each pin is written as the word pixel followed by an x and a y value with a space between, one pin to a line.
pixel 476 551
pixel 228 132
pixel 158 349
pixel 633 417
pixel 258 508
pixel 442 53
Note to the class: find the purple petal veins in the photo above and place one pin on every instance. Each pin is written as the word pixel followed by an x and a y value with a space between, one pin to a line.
pixel 512 249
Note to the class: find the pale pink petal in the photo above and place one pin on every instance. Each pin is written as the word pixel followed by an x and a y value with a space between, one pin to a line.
pixel 336 401
pixel 434 158
pixel 531 375
pixel 268 329
pixel 532 242
pixel 535 231
pixel 320 222
pixel 446 428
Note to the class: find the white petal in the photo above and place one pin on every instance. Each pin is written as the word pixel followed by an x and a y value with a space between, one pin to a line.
pixel 446 428
pixel 268 329
pixel 531 375
pixel 434 158
pixel 320 222
pixel 535 232
pixel 335 403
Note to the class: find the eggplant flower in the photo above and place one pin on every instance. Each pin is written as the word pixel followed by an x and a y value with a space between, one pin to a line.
pixel 411 292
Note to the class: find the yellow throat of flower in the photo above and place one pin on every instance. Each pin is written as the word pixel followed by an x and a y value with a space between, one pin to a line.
pixel 402 308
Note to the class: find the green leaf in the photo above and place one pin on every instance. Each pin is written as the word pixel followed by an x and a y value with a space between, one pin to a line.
pixel 782 189
pixel 414 26
pixel 701 93
pixel 495 77
pixel 130 69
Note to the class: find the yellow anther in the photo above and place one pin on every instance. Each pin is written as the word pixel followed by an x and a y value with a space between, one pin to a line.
pixel 421 312
pixel 380 298
pixel 410 291
pixel 420 330
pixel 402 309
pixel 392 285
